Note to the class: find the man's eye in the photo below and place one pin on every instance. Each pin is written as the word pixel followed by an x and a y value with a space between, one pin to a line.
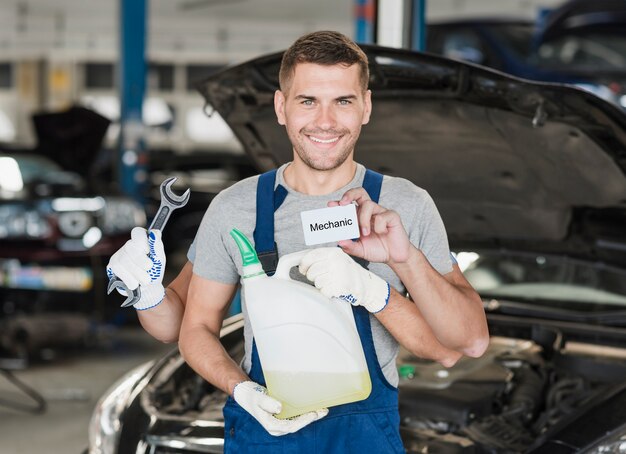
pixel 344 102
pixel 307 102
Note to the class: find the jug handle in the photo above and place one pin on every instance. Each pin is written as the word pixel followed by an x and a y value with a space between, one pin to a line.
pixel 287 262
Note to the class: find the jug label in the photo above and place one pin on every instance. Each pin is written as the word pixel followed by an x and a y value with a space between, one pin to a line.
pixel 327 225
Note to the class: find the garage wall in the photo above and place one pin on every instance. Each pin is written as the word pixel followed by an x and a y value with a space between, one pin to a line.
pixel 49 43
pixel 235 29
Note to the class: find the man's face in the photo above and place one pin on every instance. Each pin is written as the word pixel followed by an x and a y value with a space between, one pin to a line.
pixel 323 109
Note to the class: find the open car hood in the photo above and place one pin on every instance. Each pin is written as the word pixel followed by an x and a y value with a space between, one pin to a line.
pixel 510 163
pixel 72 138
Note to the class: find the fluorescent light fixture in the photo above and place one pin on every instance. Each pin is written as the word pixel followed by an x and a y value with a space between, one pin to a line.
pixel 11 176
pixel 71 204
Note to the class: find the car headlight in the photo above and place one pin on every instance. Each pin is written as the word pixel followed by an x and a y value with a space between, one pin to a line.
pixel 105 424
pixel 613 444
pixel 121 215
pixel 21 222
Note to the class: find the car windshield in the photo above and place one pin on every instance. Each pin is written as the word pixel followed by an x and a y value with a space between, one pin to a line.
pixel 545 278
pixel 589 51
pixel 586 51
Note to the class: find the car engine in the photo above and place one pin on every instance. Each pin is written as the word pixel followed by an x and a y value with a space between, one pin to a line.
pixel 502 402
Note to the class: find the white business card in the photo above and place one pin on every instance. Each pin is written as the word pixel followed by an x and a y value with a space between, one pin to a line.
pixel 327 225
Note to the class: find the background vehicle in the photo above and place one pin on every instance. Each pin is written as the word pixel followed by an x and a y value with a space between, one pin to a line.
pixel 581 43
pixel 57 233
pixel 530 180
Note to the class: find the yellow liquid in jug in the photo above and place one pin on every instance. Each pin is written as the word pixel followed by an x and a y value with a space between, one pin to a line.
pixel 300 392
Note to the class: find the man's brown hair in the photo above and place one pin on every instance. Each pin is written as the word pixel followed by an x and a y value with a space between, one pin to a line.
pixel 323 48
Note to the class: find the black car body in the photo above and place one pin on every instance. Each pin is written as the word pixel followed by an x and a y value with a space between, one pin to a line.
pixel 530 179
pixel 57 233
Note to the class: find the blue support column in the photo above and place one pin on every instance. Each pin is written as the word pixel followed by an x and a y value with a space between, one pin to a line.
pixel 364 16
pixel 418 25
pixel 132 153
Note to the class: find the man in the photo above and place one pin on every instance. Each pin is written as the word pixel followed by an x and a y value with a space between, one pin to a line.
pixel 323 101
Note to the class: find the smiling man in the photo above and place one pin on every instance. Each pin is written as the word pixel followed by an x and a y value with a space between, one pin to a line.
pixel 323 102
pixel 323 125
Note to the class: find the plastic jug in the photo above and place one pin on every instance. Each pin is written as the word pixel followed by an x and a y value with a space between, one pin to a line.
pixel 309 347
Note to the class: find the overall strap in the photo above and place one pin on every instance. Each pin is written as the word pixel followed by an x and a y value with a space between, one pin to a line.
pixel 372 182
pixel 267 201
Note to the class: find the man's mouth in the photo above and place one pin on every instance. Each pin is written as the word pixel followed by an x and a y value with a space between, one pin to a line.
pixel 324 141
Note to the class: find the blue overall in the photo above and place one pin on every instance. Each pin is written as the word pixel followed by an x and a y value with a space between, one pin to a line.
pixel 368 426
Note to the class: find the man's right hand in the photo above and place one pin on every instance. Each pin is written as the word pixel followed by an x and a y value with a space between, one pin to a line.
pixel 253 398
pixel 141 263
pixel 383 237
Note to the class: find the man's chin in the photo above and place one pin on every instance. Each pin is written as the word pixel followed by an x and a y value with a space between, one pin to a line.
pixel 324 164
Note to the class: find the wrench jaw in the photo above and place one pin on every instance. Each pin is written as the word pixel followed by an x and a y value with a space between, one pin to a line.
pixel 169 202
pixel 177 201
pixel 132 296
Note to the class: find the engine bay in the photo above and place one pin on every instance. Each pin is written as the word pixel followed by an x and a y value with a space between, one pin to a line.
pixel 502 402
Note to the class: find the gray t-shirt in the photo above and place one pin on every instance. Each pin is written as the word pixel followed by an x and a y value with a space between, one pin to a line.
pixel 215 255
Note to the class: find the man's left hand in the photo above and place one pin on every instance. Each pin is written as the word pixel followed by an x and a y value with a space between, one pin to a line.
pixel 338 276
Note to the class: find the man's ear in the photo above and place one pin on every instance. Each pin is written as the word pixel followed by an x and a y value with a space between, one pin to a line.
pixel 279 106
pixel 368 107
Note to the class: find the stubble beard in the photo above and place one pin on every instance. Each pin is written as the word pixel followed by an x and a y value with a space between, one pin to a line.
pixel 318 160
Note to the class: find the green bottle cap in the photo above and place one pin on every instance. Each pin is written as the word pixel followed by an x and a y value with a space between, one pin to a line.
pixel 406 371
pixel 248 254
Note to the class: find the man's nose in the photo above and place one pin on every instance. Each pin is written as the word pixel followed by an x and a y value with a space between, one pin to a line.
pixel 325 118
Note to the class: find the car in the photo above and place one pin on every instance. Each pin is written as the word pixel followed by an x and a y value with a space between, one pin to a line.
pixel 580 43
pixel 56 236
pixel 530 180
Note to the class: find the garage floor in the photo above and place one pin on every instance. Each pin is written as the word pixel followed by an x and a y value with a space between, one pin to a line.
pixel 71 382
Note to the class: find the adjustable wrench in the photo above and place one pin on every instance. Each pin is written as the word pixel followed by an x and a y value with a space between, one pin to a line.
pixel 169 203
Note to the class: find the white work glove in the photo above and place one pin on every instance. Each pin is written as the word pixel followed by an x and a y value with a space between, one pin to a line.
pixel 253 398
pixel 141 263
pixel 336 275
